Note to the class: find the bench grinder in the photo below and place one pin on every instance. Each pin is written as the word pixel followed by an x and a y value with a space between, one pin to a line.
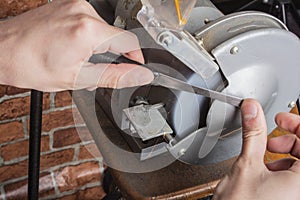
pixel 246 54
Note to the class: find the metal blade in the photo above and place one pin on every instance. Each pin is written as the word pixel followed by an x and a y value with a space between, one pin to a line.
pixel 173 83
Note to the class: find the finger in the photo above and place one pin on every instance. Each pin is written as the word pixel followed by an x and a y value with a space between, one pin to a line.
pixel 115 40
pixel 254 131
pixel 285 144
pixel 89 75
pixel 112 76
pixel 279 165
pixel 289 122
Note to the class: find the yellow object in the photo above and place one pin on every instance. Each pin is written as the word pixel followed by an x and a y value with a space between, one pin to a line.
pixel 181 20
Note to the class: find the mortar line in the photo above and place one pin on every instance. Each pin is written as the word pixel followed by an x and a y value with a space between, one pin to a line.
pixel 8 97
pixel 52 100
pixel 25 126
pixel 3 195
pixel 57 192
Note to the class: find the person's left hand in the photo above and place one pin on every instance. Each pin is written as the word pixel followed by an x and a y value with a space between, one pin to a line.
pixel 250 178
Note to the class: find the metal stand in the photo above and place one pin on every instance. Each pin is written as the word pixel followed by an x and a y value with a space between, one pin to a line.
pixel 36 108
pixel 298 105
pixel 282 7
pixel 250 5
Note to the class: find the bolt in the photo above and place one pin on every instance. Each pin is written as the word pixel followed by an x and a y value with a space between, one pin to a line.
pixel 181 152
pixel 234 50
pixel 292 104
pixel 165 39
pixel 139 100
pixel 200 41
pixel 206 21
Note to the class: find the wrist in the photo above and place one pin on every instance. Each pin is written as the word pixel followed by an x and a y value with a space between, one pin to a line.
pixel 7 51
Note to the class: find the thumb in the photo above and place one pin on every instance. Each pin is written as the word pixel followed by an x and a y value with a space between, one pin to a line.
pixel 254 131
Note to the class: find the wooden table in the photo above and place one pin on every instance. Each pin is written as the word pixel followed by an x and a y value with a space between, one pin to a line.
pixel 176 181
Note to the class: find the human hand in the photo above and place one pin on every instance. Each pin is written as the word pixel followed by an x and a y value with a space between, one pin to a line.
pixel 250 178
pixel 48 49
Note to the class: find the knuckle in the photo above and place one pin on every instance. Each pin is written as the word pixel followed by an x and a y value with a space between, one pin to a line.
pixel 83 25
pixel 253 132
pixel 72 5
pixel 77 6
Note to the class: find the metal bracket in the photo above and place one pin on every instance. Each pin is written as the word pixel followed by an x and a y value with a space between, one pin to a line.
pixel 186 48
pixel 179 43
pixel 147 121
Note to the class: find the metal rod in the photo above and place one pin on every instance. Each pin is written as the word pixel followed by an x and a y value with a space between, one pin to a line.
pixel 248 5
pixel 36 108
pixel 284 14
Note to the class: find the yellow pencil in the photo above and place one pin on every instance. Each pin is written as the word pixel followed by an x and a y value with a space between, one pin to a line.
pixel 179 14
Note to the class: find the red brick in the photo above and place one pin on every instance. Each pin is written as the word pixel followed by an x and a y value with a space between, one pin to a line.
pixel 12 8
pixel 56 158
pixel 2 90
pixel 72 177
pixel 18 107
pixel 13 171
pixel 89 151
pixel 14 90
pixel 8 172
pixel 11 131
pixel 89 193
pixel 63 99
pixel 18 190
pixel 70 136
pixel 20 149
pixel 57 119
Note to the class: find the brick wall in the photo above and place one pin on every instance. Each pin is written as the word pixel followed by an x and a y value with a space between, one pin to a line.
pixel 71 165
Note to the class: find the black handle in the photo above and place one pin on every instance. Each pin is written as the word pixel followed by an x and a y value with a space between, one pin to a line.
pixel 112 58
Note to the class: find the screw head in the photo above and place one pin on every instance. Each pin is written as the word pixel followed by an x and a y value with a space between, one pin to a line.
pixel 165 39
pixel 234 50
pixel 292 104
pixel 181 152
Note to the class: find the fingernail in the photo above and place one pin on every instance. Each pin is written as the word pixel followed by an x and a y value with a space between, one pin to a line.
pixel 249 111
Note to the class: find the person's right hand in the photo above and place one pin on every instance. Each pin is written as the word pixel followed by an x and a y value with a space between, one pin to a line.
pixel 48 49
pixel 252 179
